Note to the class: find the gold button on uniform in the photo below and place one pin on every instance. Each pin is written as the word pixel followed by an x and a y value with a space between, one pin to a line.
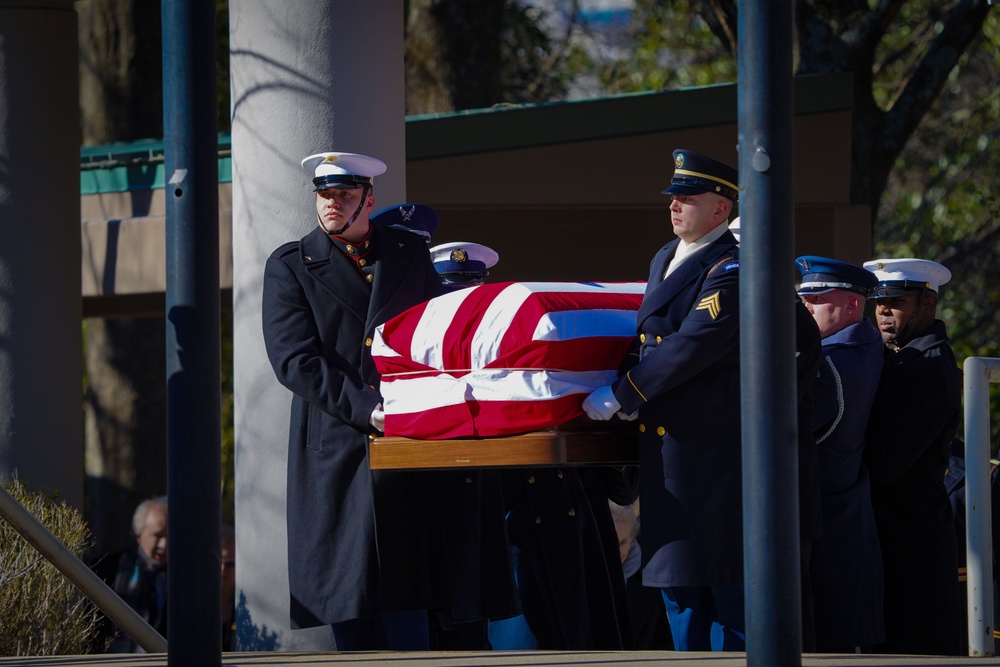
pixel 531 479
pixel 660 430
pixel 370 277
pixel 642 428
pixel 642 338
pixel 362 262
pixel 349 248
pixel 368 342
pixel 538 519
pixel 659 339
pixel 559 474
pixel 572 512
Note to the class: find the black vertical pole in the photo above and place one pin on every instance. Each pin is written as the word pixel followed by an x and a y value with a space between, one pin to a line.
pixel 767 336
pixel 193 346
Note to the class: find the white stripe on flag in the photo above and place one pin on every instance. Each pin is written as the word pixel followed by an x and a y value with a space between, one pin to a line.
pixel 427 346
pixel 403 396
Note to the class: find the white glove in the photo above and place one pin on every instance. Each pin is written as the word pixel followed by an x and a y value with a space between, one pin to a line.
pixel 601 405
pixel 628 418
pixel 378 418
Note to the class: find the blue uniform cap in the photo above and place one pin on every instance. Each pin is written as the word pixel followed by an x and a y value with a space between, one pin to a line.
pixel 823 274
pixel 342 170
pixel 898 277
pixel 695 174
pixel 417 218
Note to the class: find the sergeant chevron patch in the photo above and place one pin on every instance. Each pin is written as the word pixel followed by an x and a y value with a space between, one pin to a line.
pixel 711 304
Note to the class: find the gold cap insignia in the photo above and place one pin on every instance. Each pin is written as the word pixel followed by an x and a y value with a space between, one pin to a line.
pixel 880 266
pixel 679 161
pixel 330 158
pixel 459 255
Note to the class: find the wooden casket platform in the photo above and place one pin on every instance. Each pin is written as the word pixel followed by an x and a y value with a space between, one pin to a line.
pixel 580 442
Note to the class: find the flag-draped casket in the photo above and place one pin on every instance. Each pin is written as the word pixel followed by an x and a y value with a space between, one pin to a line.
pixel 502 358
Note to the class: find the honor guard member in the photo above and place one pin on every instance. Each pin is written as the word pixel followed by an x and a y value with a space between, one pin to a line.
pixel 915 416
pixel 686 389
pixel 846 563
pixel 463 264
pixel 480 569
pixel 365 548
pixel 420 219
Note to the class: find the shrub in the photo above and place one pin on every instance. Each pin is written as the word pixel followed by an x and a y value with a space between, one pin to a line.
pixel 41 612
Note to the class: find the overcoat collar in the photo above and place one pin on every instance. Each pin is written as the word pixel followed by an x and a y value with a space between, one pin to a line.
pixel 658 295
pixel 393 261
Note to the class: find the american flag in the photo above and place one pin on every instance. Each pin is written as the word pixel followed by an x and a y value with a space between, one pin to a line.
pixel 502 358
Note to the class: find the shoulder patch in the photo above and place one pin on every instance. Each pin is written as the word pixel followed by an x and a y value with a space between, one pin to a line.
pixel 735 264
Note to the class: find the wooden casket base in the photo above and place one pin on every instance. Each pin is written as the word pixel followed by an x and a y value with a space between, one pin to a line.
pixel 575 443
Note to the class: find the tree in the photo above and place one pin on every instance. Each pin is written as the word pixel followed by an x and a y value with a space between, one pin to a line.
pixel 472 55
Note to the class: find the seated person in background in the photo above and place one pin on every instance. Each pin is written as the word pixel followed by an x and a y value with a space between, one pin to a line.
pixel 650 625
pixel 138 573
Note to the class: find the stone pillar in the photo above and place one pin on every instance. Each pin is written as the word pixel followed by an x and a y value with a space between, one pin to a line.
pixel 307 76
pixel 41 419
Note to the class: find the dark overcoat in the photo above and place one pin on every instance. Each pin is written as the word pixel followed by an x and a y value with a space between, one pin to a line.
pixel 358 541
pixel 915 415
pixel 686 388
pixel 846 563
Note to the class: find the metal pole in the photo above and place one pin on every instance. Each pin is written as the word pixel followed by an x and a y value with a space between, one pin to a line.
pixel 81 576
pixel 193 347
pixel 767 337
pixel 979 372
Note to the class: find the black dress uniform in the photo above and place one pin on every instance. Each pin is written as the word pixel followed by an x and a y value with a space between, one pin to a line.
pixel 915 416
pixel 359 542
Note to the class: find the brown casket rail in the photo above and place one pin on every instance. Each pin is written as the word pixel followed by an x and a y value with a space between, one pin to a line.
pixel 615 446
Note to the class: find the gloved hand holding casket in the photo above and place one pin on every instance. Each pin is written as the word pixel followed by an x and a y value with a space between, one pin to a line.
pixel 502 358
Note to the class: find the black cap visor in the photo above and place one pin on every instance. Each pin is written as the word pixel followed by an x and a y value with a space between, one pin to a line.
pixel 897 289
pixel 342 181
pixel 686 185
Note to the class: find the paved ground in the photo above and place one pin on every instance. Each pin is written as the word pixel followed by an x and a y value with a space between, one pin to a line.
pixel 495 659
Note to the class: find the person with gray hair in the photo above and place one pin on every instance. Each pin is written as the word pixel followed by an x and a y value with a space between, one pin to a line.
pixel 138 574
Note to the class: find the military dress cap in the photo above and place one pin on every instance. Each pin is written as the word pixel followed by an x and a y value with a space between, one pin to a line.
pixel 898 277
pixel 823 274
pixel 342 170
pixel 463 260
pixel 417 218
pixel 695 173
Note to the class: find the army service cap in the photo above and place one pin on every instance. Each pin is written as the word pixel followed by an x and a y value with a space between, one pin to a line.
pixel 695 174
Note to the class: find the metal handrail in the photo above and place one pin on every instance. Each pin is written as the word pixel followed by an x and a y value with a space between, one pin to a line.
pixel 81 576
pixel 979 373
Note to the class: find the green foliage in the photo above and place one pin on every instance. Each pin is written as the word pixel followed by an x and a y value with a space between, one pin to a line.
pixel 41 612
pixel 664 46
pixel 941 201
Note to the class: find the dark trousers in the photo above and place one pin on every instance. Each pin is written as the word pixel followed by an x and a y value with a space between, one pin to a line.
pixel 393 631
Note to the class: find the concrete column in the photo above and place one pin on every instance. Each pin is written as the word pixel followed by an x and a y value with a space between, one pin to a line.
pixel 40 304
pixel 307 76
